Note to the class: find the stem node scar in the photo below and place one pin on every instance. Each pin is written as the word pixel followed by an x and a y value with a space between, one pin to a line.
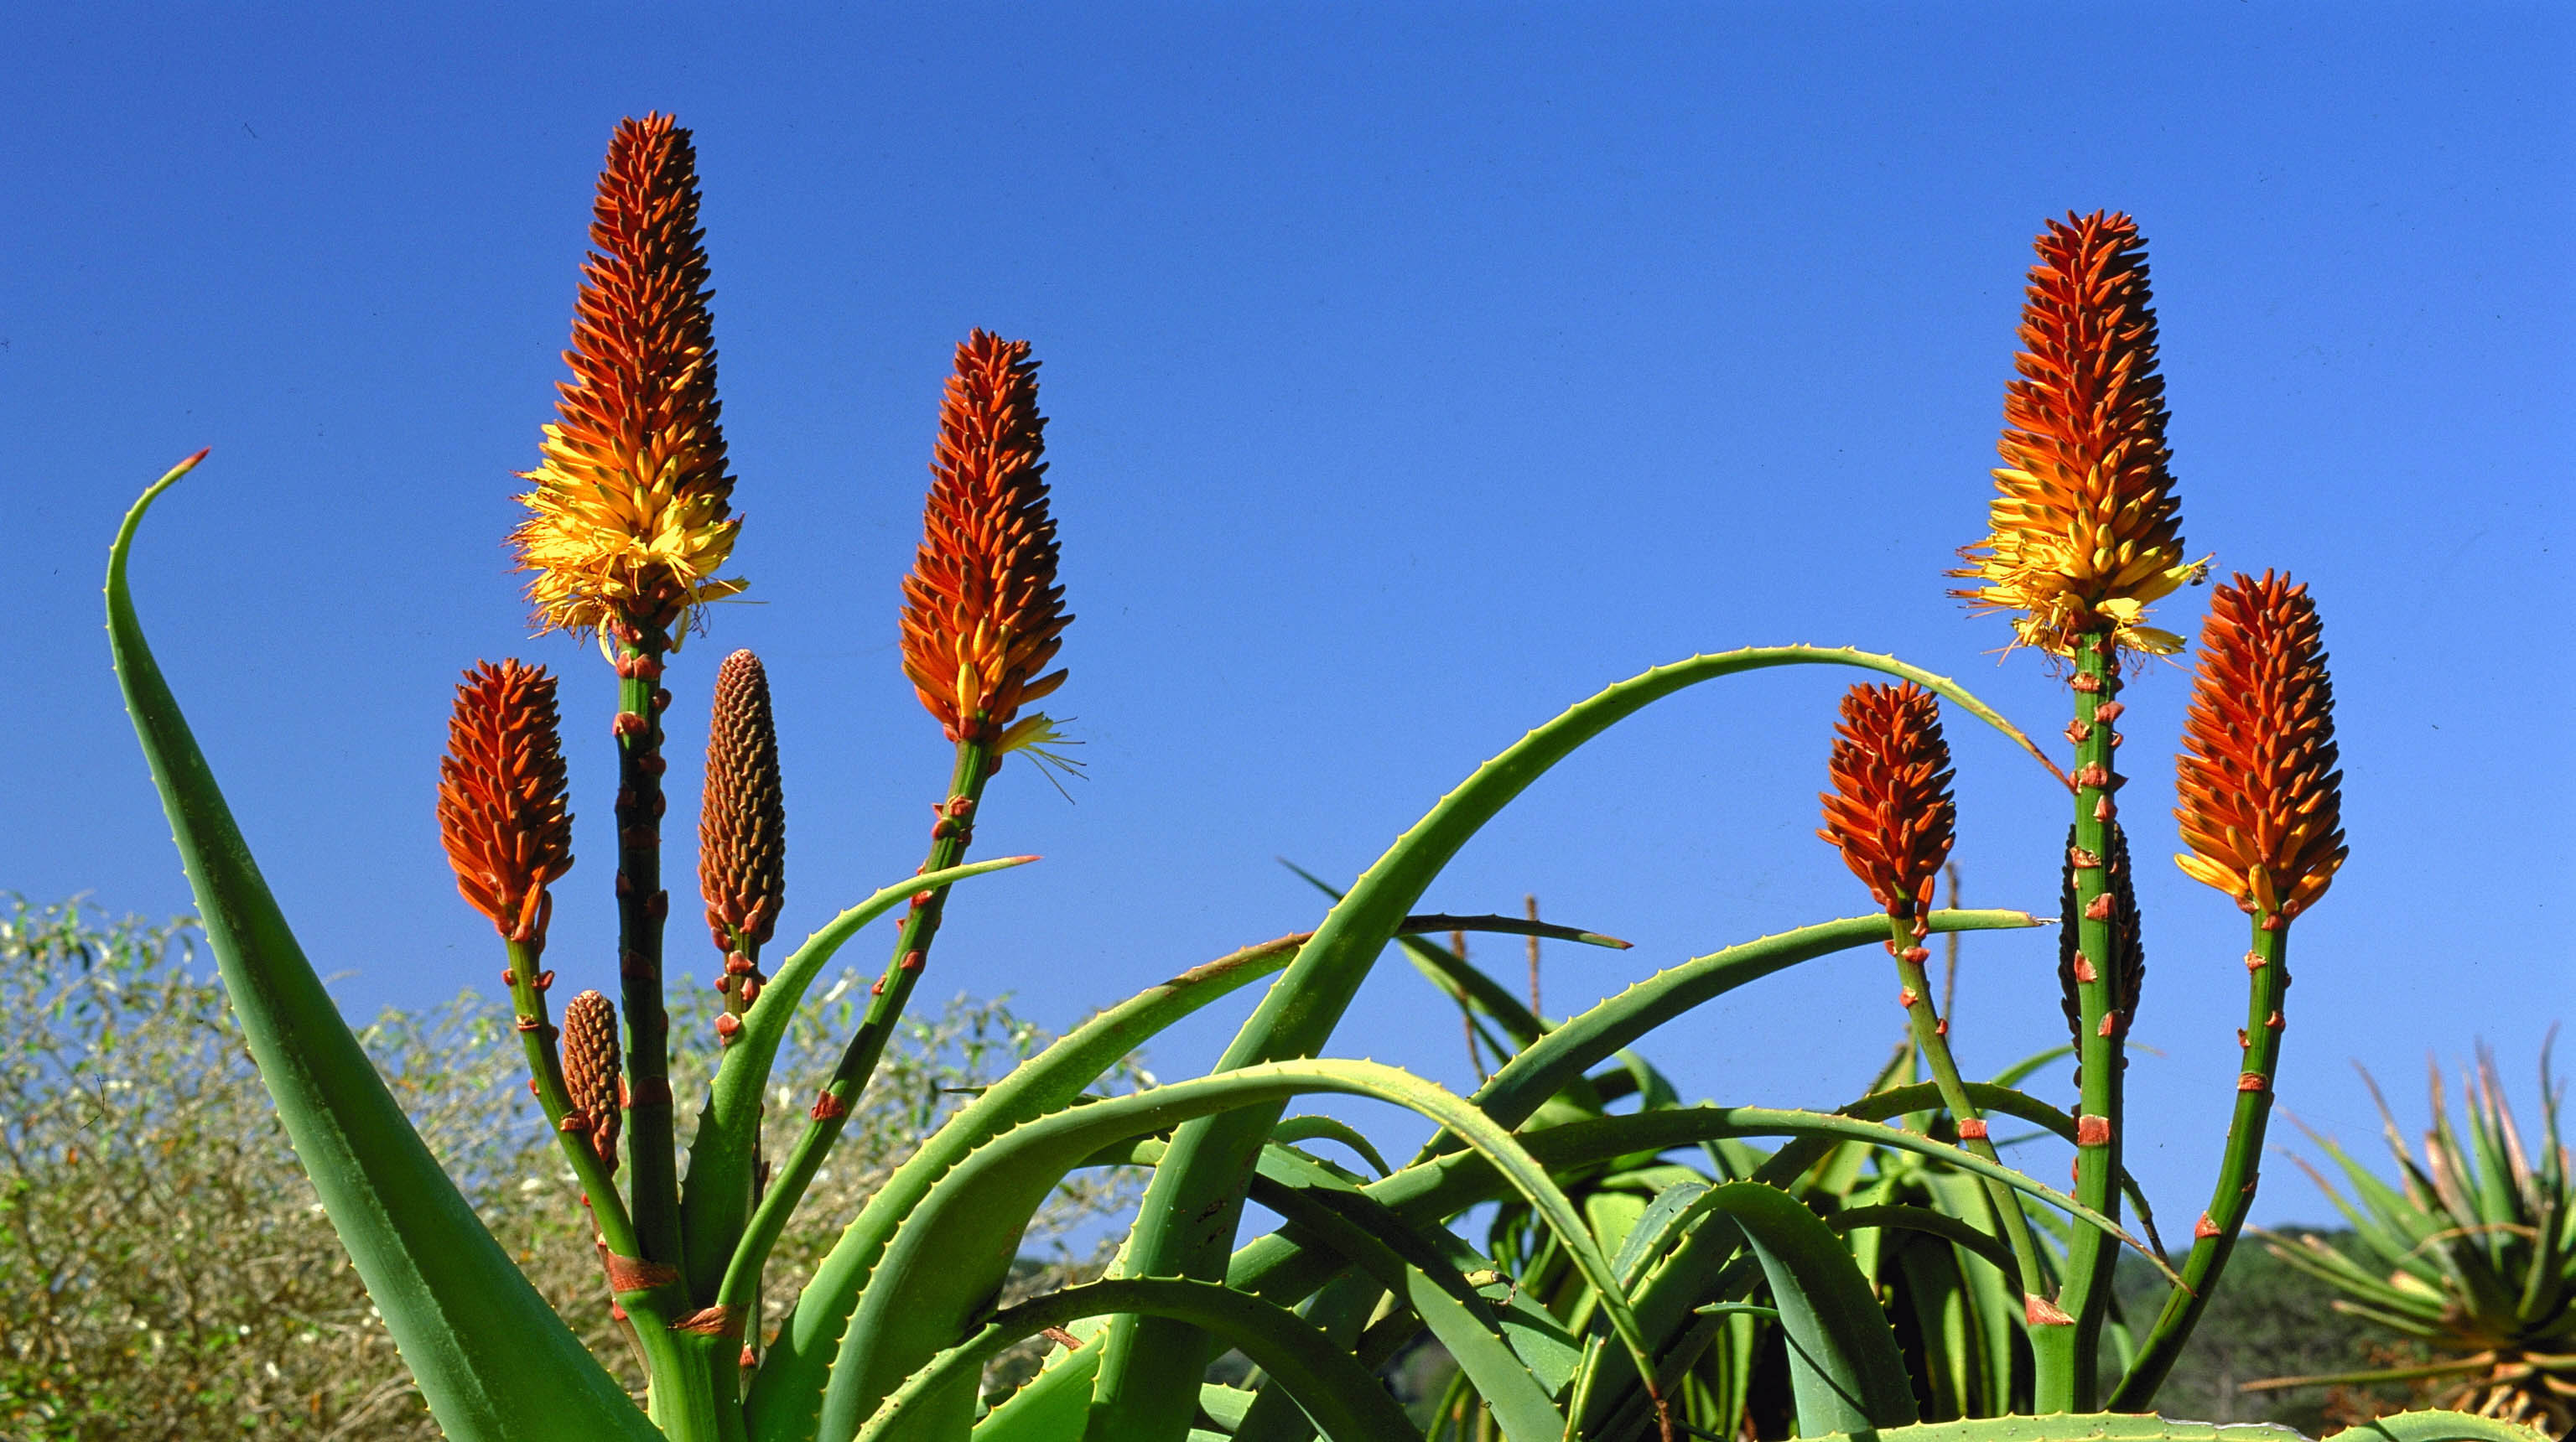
pixel 2099 909
pixel 2092 1131
pixel 2084 972
pixel 1972 1129
pixel 2273 1022
pixel 2109 711
pixel 2252 1081
pixel 2204 1229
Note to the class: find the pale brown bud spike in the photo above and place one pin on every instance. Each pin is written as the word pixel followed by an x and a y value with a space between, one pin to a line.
pixel 742 826
pixel 590 1070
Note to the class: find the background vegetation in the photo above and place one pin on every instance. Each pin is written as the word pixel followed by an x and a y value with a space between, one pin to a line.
pixel 173 1277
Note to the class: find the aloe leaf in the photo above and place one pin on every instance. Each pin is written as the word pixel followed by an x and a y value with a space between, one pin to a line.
pixel 1492 1344
pixel 493 1361
pixel 1925 1220
pixel 1548 1064
pixel 1347 1402
pixel 787 1394
pixel 1320 1128
pixel 720 1155
pixel 957 1245
pixel 1844 1365
pixel 1051 1406
pixel 1186 1225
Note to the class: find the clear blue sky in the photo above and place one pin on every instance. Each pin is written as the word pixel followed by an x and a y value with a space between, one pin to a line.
pixel 1414 372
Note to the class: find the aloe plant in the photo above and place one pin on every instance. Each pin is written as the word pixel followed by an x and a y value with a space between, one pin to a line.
pixel 2472 1253
pixel 1622 1291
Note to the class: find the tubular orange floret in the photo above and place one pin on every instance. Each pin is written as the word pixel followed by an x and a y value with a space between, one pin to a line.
pixel 982 613
pixel 1890 811
pixel 590 1070
pixel 2086 530
pixel 501 806
pixel 629 519
pixel 742 824
pixel 2261 801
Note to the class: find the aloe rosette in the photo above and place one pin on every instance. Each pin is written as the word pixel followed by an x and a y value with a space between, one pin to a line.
pixel 1649 1267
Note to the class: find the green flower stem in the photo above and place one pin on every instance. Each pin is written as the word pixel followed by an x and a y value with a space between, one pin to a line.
pixel 1932 1038
pixel 948 841
pixel 2065 1354
pixel 2233 1197
pixel 545 1065
pixel 642 905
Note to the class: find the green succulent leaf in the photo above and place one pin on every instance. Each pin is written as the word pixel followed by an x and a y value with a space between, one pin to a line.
pixel 1344 1398
pixel 493 1361
pixel 1186 1226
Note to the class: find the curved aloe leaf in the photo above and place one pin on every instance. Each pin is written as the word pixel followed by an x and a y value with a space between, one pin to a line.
pixel 1346 1400
pixel 713 1208
pixel 1923 1219
pixel 493 1361
pixel 786 1396
pixel 1186 1225
pixel 1282 1268
pixel 1546 1066
pixel 957 1245
pixel 1479 1334
pixel 1844 1365
pixel 1322 1128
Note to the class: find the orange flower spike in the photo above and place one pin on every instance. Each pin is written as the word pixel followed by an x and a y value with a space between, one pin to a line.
pixel 2086 530
pixel 2261 801
pixel 629 519
pixel 1890 812
pixel 501 807
pixel 982 613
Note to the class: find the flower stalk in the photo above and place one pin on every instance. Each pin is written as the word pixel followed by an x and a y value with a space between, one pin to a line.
pixel 2084 533
pixel 629 522
pixel 982 614
pixel 2261 807
pixel 1892 817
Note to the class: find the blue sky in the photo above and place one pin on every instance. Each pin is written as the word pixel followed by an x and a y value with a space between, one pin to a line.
pixel 1413 372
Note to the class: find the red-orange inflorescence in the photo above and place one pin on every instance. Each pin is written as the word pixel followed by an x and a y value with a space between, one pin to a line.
pixel 742 823
pixel 2085 529
pixel 982 613
pixel 2261 803
pixel 629 518
pixel 501 806
pixel 1890 811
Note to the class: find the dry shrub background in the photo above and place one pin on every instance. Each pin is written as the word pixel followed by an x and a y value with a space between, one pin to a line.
pixel 171 1274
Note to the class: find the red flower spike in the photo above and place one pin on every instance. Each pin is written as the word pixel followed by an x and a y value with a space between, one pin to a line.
pixel 1890 812
pixel 982 613
pixel 2261 803
pixel 501 809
